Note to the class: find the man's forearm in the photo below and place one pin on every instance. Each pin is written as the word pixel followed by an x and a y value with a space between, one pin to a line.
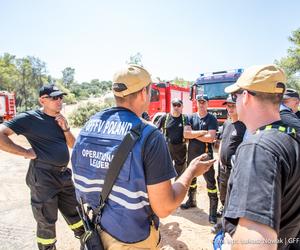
pixel 177 193
pixel 70 139
pixel 252 235
pixel 6 144
pixel 194 134
pixel 181 186
pixel 206 138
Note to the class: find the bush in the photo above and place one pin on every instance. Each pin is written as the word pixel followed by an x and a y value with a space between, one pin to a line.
pixel 81 115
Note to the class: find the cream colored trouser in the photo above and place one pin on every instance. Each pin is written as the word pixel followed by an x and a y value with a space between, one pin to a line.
pixel 151 243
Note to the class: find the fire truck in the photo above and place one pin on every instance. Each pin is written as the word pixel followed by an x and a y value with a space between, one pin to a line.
pixel 162 94
pixel 7 106
pixel 213 85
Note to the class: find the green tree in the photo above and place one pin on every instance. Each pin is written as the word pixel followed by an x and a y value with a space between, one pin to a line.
pixel 31 76
pixel 8 72
pixel 82 114
pixel 181 82
pixel 68 76
pixel 24 76
pixel 291 63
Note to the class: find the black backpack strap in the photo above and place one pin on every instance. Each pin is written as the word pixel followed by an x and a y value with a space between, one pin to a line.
pixel 117 162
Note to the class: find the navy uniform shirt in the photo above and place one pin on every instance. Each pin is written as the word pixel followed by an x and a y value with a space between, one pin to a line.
pixel 44 135
pixel 173 126
pixel 196 147
pixel 157 160
pixel 264 185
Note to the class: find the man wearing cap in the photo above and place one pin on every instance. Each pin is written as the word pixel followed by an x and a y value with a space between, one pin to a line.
pixel 48 176
pixel 172 127
pixel 263 199
pixel 232 136
pixel 289 107
pixel 143 190
pixel 201 130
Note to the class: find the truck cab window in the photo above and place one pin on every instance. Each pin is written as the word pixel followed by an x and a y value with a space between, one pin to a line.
pixel 154 95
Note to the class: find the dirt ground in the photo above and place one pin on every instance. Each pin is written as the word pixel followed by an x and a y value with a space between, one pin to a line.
pixel 181 230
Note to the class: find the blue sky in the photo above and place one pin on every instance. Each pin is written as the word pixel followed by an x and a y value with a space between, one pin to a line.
pixel 175 38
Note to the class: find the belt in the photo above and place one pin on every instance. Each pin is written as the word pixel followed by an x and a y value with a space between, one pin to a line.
pixel 47 166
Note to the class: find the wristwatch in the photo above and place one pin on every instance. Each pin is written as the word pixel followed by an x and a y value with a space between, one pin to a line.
pixel 66 130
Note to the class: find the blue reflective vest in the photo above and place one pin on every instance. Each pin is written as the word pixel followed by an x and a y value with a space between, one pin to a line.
pixel 127 214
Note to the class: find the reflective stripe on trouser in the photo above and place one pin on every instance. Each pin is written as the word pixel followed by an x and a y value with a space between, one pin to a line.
pixel 50 192
pixel 151 243
pixel 209 177
pixel 76 225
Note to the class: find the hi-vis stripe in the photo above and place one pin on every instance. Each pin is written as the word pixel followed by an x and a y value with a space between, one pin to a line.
pixel 128 205
pixel 76 225
pixel 45 241
pixel 212 190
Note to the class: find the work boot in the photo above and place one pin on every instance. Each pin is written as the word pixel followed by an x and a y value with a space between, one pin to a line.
pixel 213 206
pixel 191 202
pixel 220 212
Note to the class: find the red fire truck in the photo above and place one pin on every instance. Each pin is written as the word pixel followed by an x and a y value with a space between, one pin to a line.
pixel 7 106
pixel 213 85
pixel 162 94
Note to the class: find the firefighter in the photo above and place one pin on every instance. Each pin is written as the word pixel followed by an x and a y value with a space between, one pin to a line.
pixel 232 136
pixel 172 125
pixel 201 130
pixel 263 199
pixel 48 176
pixel 289 108
pixel 143 190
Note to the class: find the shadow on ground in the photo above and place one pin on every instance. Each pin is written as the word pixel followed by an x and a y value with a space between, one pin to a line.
pixel 195 215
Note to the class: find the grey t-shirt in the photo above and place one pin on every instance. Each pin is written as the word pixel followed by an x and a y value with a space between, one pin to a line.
pixel 264 184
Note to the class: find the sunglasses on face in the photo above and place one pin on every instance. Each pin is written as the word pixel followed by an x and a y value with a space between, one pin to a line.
pixel 54 98
pixel 234 95
pixel 230 106
pixel 177 105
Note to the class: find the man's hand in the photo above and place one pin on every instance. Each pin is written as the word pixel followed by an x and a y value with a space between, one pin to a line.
pixel 62 122
pixel 165 197
pixel 30 154
pixel 200 165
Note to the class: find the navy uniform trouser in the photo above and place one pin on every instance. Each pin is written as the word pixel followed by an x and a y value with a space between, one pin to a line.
pixel 209 176
pixel 223 177
pixel 51 190
pixel 178 154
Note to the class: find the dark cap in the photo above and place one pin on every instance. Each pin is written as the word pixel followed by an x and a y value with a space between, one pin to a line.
pixel 202 98
pixel 290 93
pixel 228 100
pixel 50 90
pixel 176 101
